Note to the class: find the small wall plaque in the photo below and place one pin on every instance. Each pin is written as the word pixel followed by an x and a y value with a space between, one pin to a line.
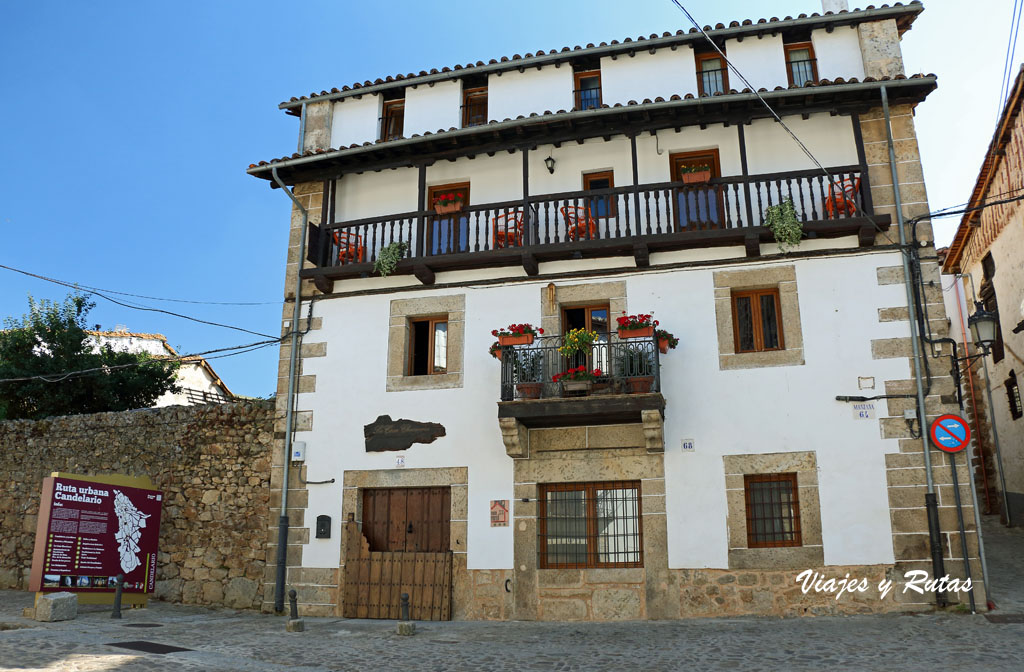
pixel 499 513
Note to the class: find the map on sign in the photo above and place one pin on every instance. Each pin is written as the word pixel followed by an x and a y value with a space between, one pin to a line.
pixel 130 522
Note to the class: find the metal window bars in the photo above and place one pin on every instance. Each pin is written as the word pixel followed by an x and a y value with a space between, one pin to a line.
pixel 773 510
pixel 588 98
pixel 803 71
pixel 590 525
pixel 712 81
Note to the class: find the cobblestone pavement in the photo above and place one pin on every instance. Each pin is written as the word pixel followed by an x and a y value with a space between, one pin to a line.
pixel 226 640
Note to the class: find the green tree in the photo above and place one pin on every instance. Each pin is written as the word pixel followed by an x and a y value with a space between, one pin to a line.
pixel 51 341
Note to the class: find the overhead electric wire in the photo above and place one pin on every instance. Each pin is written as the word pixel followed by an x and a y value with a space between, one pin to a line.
pixel 1011 50
pixel 777 118
pixel 135 306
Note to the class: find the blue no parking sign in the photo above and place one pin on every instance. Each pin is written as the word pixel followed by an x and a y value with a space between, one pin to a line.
pixel 950 433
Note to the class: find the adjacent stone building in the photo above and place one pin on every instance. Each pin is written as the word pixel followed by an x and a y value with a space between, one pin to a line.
pixel 565 189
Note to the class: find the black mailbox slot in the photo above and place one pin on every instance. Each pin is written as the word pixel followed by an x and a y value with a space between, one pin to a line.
pixel 323 527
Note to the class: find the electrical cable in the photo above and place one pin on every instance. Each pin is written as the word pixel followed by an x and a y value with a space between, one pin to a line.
pixel 135 306
pixel 1011 50
pixel 777 118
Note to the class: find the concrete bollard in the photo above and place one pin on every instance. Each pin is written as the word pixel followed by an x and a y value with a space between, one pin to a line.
pixel 116 613
pixel 295 624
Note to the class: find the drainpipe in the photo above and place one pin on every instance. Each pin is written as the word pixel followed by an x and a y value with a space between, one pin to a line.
pixel 931 505
pixel 302 132
pixel 289 418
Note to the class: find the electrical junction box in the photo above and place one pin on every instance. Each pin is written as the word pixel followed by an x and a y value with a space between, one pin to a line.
pixel 298 451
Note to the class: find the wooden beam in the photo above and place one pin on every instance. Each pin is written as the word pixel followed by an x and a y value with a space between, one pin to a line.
pixel 752 242
pixel 530 264
pixel 642 255
pixel 866 235
pixel 323 284
pixel 423 274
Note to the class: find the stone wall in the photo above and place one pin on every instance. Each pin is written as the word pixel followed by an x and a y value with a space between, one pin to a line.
pixel 211 462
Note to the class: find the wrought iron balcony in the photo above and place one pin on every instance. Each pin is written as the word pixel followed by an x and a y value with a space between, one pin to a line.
pixel 632 220
pixel 626 388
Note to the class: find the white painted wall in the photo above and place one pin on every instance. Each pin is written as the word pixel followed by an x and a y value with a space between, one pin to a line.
pixel 839 319
pixel 646 75
pixel 838 53
pixel 771 149
pixel 433 107
pixel 356 120
pixel 761 60
pixel 514 93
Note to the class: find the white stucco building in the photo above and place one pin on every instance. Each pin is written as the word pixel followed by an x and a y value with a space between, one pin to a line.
pixel 576 177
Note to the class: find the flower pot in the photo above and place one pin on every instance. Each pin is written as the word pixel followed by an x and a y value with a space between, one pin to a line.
pixel 447 208
pixel 640 385
pixel 497 355
pixel 663 345
pixel 529 390
pixel 577 387
pixel 699 177
pixel 646 332
pixel 515 339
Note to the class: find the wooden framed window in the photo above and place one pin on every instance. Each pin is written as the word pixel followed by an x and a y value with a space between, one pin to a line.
pixel 757 321
pixel 590 525
pixel 712 74
pixel 801 66
pixel 592 318
pixel 474 107
pixel 1013 397
pixel 600 206
pixel 449 232
pixel 773 510
pixel 428 346
pixel 588 89
pixel 392 121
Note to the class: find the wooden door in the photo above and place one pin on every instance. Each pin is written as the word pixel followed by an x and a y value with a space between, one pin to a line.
pixel 697 206
pixel 414 520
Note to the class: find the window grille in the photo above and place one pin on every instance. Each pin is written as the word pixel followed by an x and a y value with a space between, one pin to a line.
pixel 773 510
pixel 590 525
pixel 1013 396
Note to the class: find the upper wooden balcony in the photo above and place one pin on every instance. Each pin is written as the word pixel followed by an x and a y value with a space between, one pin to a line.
pixel 631 220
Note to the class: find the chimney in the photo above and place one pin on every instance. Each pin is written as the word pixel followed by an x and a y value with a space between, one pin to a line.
pixel 834 6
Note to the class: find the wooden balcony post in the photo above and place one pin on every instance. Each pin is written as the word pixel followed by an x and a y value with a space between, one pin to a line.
pixel 743 167
pixel 865 182
pixel 636 189
pixel 527 228
pixel 421 205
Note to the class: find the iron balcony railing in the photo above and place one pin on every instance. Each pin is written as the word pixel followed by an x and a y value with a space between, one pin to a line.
pixel 802 72
pixel 587 99
pixel 627 366
pixel 392 124
pixel 474 113
pixel 675 208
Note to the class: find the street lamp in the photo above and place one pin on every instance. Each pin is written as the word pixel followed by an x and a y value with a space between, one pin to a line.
pixel 550 164
pixel 983 325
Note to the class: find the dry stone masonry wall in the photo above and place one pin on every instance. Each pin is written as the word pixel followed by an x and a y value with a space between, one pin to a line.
pixel 211 462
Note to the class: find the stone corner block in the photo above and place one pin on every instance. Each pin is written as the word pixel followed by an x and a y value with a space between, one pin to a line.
pixel 56 607
pixel 295 625
pixel 654 431
pixel 406 628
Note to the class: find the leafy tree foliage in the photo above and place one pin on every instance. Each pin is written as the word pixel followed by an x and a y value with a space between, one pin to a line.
pixel 51 341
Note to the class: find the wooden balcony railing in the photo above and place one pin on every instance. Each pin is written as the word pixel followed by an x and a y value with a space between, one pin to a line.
pixel 666 212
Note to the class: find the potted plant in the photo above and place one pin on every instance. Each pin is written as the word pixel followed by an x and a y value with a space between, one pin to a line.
pixel 389 256
pixel 528 366
pixel 636 326
pixel 699 174
pixel 577 340
pixel 495 350
pixel 782 221
pixel 517 334
pixel 666 341
pixel 579 379
pixel 450 201
pixel 636 365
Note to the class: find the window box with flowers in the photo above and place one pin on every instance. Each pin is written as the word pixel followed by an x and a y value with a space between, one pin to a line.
pixel 636 326
pixel 578 380
pixel 447 202
pixel 517 334
pixel 695 174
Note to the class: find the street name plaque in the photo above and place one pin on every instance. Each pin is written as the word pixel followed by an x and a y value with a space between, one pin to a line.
pixel 92 528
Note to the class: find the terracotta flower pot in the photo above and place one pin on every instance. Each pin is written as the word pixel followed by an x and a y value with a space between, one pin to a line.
pixel 529 390
pixel 699 177
pixel 646 332
pixel 640 385
pixel 497 355
pixel 663 345
pixel 447 208
pixel 515 339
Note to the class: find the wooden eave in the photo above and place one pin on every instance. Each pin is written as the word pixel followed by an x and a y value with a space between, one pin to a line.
pixel 553 128
pixel 996 150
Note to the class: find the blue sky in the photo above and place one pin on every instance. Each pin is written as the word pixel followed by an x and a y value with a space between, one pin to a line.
pixel 127 127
